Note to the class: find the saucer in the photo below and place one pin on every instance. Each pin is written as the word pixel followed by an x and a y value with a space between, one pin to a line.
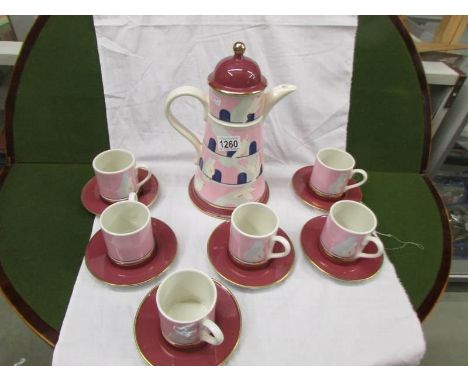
pixel 104 269
pixel 300 182
pixel 361 269
pixel 274 272
pixel 216 211
pixel 156 351
pixel 93 202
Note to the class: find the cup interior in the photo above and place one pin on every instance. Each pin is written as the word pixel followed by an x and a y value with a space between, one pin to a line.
pixel 186 296
pixel 255 219
pixel 336 159
pixel 111 161
pixel 353 217
pixel 124 218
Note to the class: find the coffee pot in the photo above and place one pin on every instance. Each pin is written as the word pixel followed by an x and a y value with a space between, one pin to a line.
pixel 230 158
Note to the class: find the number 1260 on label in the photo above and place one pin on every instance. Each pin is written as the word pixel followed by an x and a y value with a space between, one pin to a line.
pixel 228 143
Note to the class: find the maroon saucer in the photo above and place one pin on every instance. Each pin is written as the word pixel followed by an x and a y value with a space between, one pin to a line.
pixel 218 212
pixel 300 183
pixel 361 269
pixel 93 202
pixel 156 351
pixel 106 270
pixel 276 270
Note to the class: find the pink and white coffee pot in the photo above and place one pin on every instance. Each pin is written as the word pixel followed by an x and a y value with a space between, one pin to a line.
pixel 234 113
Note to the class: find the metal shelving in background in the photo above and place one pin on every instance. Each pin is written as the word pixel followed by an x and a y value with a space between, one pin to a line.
pixel 446 70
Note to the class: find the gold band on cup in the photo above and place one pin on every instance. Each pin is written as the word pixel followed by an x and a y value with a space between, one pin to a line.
pixel 336 259
pixel 134 263
pixel 189 346
pixel 325 196
pixel 247 265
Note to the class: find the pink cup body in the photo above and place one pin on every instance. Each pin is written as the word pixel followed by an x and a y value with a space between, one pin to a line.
pixel 250 250
pixel 127 231
pixel 132 248
pixel 236 108
pixel 328 182
pixel 117 186
pixel 183 334
pixel 340 243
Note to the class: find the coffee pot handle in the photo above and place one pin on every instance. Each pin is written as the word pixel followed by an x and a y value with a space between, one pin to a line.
pixel 175 123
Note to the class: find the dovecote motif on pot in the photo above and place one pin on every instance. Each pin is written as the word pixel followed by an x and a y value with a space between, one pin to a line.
pixel 230 158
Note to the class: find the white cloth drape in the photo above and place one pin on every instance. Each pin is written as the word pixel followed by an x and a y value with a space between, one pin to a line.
pixel 307 319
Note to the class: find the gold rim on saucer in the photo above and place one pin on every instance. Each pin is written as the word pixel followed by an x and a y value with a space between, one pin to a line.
pixel 135 284
pixel 266 194
pixel 263 199
pixel 130 285
pixel 147 205
pixel 337 278
pixel 212 214
pixel 248 286
pixel 304 201
pixel 324 198
pixel 226 289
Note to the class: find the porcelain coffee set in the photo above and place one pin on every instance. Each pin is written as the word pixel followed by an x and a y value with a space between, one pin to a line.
pixel 191 319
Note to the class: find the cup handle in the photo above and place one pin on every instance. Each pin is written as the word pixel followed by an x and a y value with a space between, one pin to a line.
pixel 175 123
pixel 360 183
pixel 380 248
pixel 216 337
pixel 286 245
pixel 147 177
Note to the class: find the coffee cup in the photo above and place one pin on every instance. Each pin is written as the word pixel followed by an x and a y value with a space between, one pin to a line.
pixel 332 170
pixel 128 232
pixel 253 234
pixel 117 174
pixel 186 302
pixel 349 227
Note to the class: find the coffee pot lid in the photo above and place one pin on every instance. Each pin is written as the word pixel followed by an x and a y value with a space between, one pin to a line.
pixel 237 74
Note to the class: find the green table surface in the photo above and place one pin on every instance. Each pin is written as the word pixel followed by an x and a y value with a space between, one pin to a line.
pixel 56 123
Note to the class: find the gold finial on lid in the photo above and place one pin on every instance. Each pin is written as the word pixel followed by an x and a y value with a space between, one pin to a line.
pixel 239 48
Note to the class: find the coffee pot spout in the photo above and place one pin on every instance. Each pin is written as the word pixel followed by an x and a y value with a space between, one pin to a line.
pixel 275 95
